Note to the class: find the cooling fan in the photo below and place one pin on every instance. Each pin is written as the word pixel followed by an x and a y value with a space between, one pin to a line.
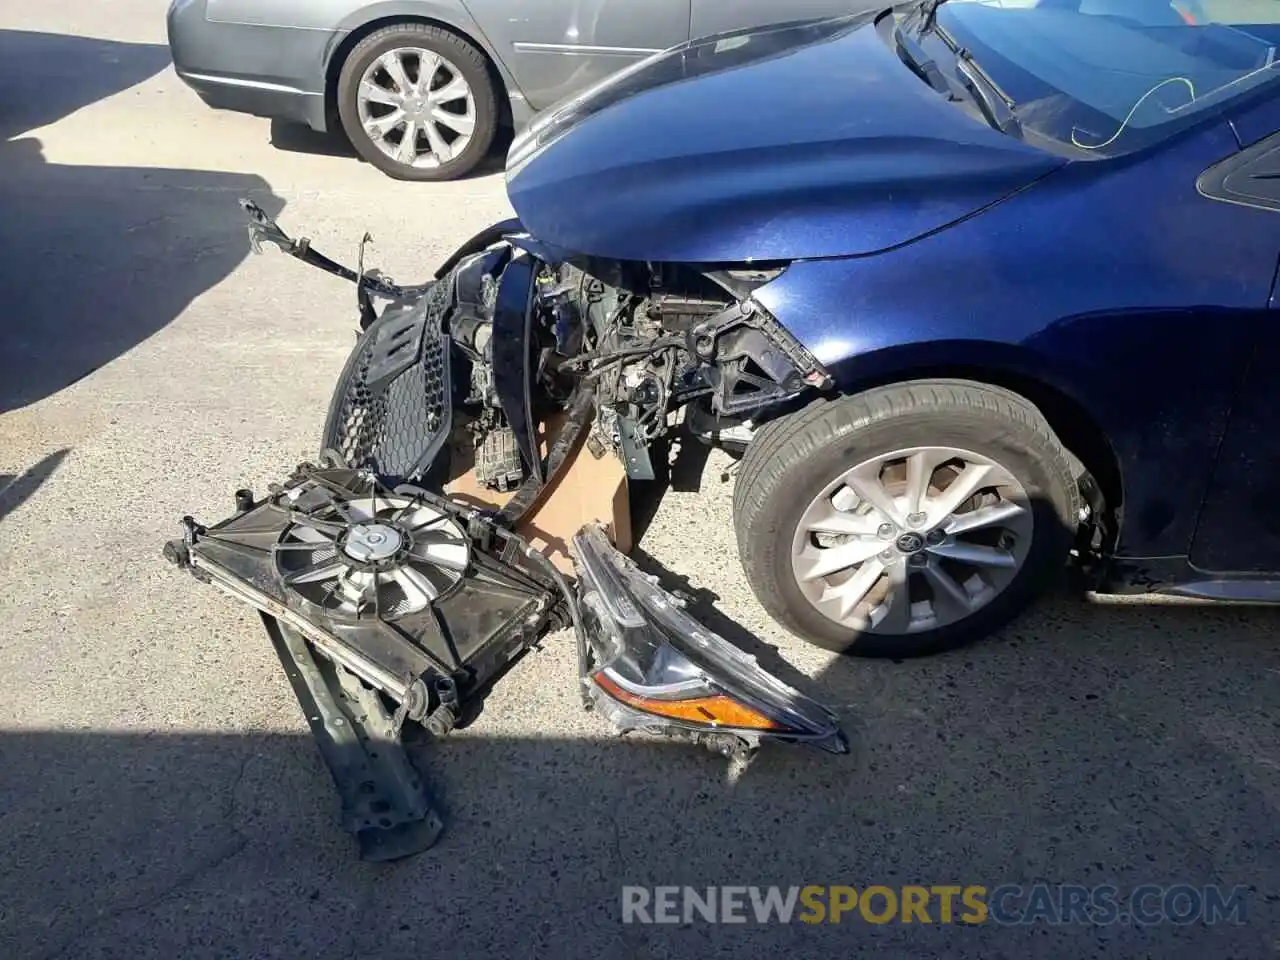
pixel 386 556
pixel 419 597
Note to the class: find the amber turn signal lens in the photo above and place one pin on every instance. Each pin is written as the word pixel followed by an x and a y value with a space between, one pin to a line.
pixel 712 711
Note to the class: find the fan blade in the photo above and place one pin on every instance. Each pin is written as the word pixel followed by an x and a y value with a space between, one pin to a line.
pixel 310 536
pixel 433 538
pixel 322 545
pixel 327 527
pixel 312 574
pixel 450 554
pixel 414 584
pixel 423 517
pixel 440 577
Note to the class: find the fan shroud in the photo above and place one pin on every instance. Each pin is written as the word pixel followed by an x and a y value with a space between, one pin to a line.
pixel 372 556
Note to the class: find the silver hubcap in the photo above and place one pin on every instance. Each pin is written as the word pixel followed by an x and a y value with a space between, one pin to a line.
pixel 913 540
pixel 416 107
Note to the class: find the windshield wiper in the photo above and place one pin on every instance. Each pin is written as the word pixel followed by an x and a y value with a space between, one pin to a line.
pixel 918 63
pixel 930 12
pixel 996 105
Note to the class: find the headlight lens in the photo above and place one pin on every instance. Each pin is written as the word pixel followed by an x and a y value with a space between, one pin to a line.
pixel 653 657
pixel 692 705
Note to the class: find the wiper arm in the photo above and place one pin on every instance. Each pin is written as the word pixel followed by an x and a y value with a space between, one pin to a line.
pixel 930 13
pixel 922 66
pixel 996 105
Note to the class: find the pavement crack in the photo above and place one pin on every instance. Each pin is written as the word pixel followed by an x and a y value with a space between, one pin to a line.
pixel 180 883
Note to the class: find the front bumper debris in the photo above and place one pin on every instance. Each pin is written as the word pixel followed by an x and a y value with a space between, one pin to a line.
pixel 389 603
pixel 394 606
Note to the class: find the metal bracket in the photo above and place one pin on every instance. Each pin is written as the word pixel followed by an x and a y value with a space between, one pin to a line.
pixel 262 229
pixel 384 804
pixel 635 452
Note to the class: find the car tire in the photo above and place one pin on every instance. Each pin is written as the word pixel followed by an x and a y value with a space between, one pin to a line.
pixel 793 462
pixel 403 44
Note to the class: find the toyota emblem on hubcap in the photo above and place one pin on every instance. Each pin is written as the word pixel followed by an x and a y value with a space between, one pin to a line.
pixel 910 542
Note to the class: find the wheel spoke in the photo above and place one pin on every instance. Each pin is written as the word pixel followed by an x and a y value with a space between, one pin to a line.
pixel 407 151
pixel 394 66
pixel 837 522
pixel 996 514
pixel 370 92
pixel 439 148
pixel 975 554
pixel 380 126
pixel 897 604
pixel 455 89
pixel 834 559
pixel 870 489
pixel 459 122
pixel 946 589
pixel 428 64
pixel 853 591
pixel 964 486
pixel 920 467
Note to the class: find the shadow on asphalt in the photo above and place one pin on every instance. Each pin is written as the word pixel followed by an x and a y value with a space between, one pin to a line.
pixel 96 259
pixel 16 489
pixel 294 137
pixel 1055 754
pixel 46 76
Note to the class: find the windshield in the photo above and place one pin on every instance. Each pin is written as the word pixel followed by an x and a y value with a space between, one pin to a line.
pixel 1111 76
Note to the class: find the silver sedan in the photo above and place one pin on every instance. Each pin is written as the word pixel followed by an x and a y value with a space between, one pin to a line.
pixel 420 87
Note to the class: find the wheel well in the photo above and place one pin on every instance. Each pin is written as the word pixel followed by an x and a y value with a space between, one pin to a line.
pixel 1079 432
pixel 347 44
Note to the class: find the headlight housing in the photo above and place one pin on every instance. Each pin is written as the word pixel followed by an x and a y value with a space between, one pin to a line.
pixel 654 667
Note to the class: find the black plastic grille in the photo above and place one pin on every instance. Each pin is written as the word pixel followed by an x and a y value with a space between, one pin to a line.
pixel 395 425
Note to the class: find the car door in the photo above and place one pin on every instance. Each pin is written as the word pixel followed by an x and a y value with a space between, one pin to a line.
pixel 1239 526
pixel 556 48
pixel 720 16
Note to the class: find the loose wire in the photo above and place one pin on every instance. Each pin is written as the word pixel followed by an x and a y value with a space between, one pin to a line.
pixel 1141 100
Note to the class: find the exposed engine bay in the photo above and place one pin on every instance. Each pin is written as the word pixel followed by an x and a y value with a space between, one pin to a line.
pixel 646 339
pixel 389 602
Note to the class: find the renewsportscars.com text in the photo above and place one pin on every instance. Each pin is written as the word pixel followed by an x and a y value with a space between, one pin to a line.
pixel 1007 904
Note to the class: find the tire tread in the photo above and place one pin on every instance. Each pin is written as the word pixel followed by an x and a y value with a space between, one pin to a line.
pixel 794 438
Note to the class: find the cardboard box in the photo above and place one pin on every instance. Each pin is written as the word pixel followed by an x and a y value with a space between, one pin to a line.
pixel 589 489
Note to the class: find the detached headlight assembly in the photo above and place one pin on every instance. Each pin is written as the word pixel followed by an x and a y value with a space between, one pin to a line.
pixel 653 667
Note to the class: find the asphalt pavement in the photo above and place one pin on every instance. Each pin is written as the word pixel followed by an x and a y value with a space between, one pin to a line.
pixel 159 793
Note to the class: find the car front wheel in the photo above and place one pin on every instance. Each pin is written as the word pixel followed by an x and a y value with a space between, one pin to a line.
pixel 417 102
pixel 905 520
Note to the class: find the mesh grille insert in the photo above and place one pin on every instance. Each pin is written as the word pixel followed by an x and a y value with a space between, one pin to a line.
pixel 394 426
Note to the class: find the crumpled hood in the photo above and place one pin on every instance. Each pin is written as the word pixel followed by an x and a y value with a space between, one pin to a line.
pixel 800 140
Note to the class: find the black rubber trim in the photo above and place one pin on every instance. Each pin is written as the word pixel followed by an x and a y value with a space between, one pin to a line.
pixel 487 236
pixel 512 359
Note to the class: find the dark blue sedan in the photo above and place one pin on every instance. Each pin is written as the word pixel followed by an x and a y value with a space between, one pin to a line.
pixel 980 290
